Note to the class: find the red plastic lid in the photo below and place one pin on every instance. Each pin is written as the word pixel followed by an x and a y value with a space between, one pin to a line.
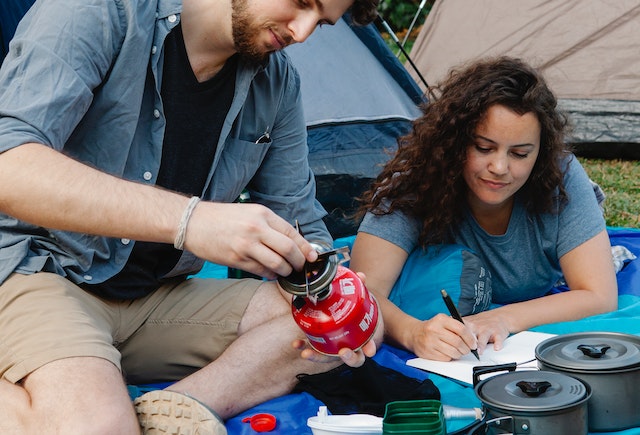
pixel 261 422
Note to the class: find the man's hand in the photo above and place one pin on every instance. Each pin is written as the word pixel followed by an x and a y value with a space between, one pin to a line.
pixel 353 358
pixel 249 237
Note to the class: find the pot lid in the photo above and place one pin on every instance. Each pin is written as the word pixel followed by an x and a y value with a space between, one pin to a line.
pixel 532 391
pixel 590 351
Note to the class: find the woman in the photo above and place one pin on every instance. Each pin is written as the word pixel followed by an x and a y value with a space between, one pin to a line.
pixel 486 167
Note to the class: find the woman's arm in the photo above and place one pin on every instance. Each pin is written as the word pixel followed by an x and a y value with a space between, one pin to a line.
pixel 439 338
pixel 590 275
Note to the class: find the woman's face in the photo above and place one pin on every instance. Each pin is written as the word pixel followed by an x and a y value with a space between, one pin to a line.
pixel 502 157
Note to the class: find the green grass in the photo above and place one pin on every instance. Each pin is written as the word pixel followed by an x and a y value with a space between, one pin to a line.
pixel 620 181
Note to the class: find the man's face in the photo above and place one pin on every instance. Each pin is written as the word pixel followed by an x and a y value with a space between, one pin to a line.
pixel 261 27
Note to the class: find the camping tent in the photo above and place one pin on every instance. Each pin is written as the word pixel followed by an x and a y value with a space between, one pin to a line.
pixel 358 98
pixel 588 51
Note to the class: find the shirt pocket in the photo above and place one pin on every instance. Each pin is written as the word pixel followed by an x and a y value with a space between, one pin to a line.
pixel 239 162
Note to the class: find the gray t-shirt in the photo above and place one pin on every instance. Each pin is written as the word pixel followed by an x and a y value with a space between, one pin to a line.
pixel 524 262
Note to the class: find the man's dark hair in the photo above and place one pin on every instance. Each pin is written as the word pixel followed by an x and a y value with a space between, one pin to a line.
pixel 364 12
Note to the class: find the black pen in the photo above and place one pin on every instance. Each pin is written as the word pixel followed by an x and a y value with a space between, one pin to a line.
pixel 456 315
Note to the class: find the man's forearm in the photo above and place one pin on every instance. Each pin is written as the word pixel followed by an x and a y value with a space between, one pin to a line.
pixel 42 186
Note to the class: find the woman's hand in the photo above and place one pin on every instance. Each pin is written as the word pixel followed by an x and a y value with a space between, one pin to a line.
pixel 442 338
pixel 489 327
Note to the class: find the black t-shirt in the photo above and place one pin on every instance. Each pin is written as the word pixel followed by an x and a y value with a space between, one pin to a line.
pixel 194 114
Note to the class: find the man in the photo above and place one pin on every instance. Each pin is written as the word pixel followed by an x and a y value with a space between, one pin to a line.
pixel 116 118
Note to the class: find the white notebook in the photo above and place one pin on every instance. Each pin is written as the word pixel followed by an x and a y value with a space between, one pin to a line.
pixel 519 348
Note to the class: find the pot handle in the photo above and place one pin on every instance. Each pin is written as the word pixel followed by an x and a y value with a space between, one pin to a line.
pixel 483 370
pixel 500 425
pixel 594 350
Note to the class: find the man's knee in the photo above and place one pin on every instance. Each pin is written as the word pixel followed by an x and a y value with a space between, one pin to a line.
pixel 19 413
pixel 266 304
pixel 77 395
pixel 119 419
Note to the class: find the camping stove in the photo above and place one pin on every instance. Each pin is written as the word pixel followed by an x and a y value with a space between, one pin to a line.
pixel 331 304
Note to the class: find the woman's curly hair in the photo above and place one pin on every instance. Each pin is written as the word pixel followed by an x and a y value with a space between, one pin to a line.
pixel 364 12
pixel 425 177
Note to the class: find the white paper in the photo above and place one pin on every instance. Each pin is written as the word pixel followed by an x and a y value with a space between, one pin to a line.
pixel 519 348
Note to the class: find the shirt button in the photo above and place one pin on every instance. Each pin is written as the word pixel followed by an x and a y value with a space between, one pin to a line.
pixel 88 277
pixel 125 241
pixel 154 49
pixel 156 113
pixel 147 175
pixel 172 18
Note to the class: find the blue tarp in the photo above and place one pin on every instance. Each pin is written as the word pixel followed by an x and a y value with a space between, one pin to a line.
pixel 357 97
pixel 293 410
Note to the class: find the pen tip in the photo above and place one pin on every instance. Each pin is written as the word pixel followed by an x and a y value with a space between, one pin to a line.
pixel 444 292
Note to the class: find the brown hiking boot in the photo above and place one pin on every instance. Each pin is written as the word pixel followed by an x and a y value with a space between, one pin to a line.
pixel 164 412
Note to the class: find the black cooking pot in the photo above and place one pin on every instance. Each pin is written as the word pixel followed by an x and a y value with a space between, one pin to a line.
pixel 610 363
pixel 530 402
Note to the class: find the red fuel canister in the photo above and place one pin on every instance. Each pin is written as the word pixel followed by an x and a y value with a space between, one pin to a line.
pixel 331 304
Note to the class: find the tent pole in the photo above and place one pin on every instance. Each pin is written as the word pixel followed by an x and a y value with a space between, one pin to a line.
pixel 386 26
pixel 413 23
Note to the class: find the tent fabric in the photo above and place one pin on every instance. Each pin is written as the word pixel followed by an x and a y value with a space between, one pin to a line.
pixel 334 61
pixel 358 99
pixel 587 51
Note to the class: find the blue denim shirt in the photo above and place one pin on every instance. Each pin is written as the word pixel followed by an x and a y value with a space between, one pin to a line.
pixel 84 76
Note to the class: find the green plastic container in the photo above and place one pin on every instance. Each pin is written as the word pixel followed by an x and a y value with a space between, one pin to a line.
pixel 414 417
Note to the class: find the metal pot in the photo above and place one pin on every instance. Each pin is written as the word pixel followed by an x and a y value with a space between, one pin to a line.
pixel 610 363
pixel 531 402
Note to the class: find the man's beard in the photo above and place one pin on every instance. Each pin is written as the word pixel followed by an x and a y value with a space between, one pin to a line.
pixel 244 33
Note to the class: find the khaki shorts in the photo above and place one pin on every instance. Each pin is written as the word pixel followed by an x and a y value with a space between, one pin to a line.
pixel 162 337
